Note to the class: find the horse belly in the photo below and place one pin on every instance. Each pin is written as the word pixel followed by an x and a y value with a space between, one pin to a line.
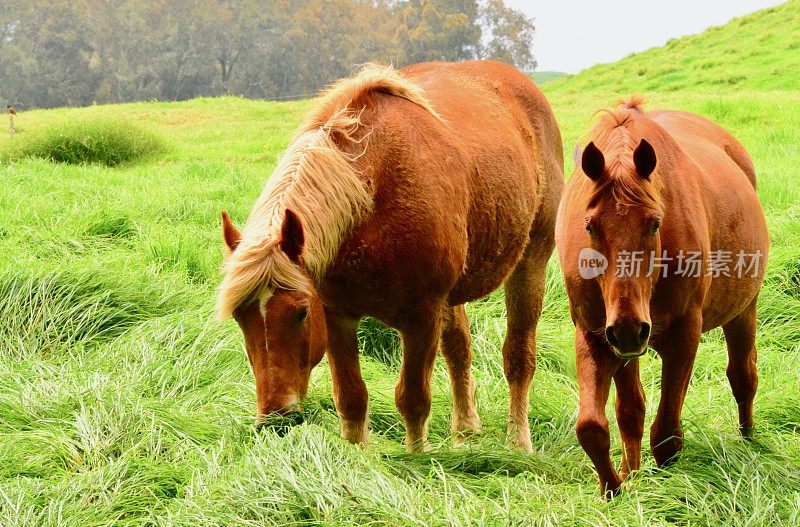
pixel 498 231
pixel 741 258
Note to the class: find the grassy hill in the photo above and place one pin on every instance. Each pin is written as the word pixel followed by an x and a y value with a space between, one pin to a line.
pixel 760 51
pixel 123 403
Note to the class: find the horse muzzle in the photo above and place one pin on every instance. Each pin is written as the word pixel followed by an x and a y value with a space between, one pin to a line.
pixel 628 339
pixel 280 422
pixel 628 356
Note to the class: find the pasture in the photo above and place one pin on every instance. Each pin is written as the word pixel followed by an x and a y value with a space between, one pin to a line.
pixel 123 403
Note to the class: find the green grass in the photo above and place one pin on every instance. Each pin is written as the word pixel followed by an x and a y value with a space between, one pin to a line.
pixel 760 51
pixel 79 139
pixel 123 403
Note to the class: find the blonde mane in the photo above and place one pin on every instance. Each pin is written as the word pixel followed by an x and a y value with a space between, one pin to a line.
pixel 614 137
pixel 318 182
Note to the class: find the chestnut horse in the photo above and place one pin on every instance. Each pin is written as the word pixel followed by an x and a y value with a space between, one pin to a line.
pixel 402 196
pixel 661 237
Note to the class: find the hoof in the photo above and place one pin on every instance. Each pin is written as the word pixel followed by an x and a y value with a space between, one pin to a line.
pixel 611 489
pixel 418 447
pixel 747 432
pixel 355 432
pixel 666 453
pixel 463 439
pixel 520 444
pixel 666 459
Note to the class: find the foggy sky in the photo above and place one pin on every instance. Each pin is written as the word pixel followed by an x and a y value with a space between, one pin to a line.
pixel 571 35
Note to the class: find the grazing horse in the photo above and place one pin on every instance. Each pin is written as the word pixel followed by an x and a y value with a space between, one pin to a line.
pixel 661 237
pixel 403 195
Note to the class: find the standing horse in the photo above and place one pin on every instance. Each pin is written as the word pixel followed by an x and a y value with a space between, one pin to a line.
pixel 665 203
pixel 402 196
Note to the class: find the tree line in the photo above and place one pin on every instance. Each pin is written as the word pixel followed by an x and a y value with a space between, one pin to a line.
pixel 79 52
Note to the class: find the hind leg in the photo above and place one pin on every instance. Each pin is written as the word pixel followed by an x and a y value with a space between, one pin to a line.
pixel 455 345
pixel 524 296
pixel 740 336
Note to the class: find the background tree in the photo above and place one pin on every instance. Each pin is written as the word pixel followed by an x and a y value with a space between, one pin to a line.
pixel 76 52
pixel 508 34
pixel 438 29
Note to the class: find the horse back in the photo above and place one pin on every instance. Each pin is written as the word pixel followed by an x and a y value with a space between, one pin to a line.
pixel 455 199
pixel 707 134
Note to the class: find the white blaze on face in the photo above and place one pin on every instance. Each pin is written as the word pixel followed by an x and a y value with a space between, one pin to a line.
pixel 292 400
pixel 262 308
pixel 262 304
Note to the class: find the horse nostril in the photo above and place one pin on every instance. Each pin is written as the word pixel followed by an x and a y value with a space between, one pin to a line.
pixel 611 338
pixel 644 333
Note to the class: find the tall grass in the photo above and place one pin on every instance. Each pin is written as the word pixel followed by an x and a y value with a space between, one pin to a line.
pixel 109 141
pixel 122 403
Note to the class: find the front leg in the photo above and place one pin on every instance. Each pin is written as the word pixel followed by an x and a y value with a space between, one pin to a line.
pixel 420 331
pixel 349 391
pixel 630 415
pixel 455 346
pixel 678 349
pixel 596 365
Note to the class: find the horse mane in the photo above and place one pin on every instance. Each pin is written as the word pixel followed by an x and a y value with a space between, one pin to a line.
pixel 372 77
pixel 318 182
pixel 617 135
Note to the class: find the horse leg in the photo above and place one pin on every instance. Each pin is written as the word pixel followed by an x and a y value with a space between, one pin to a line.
pixel 630 415
pixel 595 365
pixel 677 350
pixel 420 331
pixel 740 336
pixel 455 344
pixel 524 292
pixel 349 391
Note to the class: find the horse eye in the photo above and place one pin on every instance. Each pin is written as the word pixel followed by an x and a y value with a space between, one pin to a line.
pixel 301 315
pixel 655 226
pixel 589 229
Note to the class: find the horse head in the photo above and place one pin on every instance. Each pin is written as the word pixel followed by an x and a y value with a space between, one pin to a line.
pixel 284 331
pixel 623 220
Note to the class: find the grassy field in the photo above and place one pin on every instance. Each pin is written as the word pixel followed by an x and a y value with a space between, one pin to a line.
pixel 122 403
pixel 760 51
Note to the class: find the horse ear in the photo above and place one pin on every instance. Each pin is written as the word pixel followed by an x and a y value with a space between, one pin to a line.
pixel 576 154
pixel 230 234
pixel 292 237
pixel 644 158
pixel 592 162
